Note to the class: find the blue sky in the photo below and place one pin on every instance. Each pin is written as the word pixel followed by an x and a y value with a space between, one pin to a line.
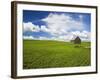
pixel 51 25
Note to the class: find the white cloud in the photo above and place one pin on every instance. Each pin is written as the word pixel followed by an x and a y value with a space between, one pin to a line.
pixel 61 24
pixel 84 35
pixel 65 37
pixel 43 38
pixel 30 27
pixel 28 37
pixel 44 29
pixel 62 28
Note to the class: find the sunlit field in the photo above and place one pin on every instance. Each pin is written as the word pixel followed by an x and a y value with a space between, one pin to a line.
pixel 52 54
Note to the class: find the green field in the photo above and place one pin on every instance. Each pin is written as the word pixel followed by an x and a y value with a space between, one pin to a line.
pixel 50 54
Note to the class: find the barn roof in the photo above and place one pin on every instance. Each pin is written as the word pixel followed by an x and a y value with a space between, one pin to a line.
pixel 74 37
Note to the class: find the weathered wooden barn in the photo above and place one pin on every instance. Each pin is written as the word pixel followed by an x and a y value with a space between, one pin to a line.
pixel 76 40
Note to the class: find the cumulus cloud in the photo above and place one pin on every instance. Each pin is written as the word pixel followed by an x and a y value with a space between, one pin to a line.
pixel 30 27
pixel 28 37
pixel 66 37
pixel 84 35
pixel 61 23
pixel 62 28
pixel 44 28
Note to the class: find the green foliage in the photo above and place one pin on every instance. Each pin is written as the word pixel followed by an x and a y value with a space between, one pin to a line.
pixel 50 54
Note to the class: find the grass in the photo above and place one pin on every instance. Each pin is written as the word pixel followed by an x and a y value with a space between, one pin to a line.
pixel 50 54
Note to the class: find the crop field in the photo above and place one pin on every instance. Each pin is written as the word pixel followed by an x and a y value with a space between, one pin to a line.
pixel 52 54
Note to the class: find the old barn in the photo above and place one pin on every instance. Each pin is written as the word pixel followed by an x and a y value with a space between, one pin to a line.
pixel 76 40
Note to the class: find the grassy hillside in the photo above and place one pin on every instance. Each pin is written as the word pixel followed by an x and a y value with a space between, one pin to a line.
pixel 49 54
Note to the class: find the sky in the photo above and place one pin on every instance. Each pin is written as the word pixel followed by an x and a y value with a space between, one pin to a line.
pixel 60 26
